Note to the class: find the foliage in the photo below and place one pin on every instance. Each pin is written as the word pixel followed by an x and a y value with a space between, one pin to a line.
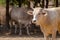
pixel 2 2
pixel 16 2
pixel 22 2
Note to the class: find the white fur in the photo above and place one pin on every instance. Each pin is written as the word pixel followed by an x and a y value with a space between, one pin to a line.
pixel 35 12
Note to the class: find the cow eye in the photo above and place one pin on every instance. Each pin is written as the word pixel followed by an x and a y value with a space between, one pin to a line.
pixel 38 13
pixel 43 13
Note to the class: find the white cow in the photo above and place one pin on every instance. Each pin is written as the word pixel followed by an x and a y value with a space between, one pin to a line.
pixel 48 19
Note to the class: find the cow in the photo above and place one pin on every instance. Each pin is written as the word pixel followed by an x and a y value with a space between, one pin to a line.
pixel 2 16
pixel 20 16
pixel 3 27
pixel 48 19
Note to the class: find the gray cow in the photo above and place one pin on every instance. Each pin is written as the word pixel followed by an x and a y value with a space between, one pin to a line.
pixel 21 16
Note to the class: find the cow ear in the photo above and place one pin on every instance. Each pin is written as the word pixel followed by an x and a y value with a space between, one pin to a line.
pixel 44 12
pixel 30 12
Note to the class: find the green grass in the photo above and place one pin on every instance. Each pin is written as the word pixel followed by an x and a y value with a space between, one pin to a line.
pixel 2 2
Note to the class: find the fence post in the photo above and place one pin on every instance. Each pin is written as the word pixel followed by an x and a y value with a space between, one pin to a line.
pixel 20 2
pixel 12 3
pixel 56 3
pixel 42 3
pixel 47 1
pixel 7 13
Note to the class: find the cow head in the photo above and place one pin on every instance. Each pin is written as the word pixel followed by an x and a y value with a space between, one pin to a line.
pixel 38 13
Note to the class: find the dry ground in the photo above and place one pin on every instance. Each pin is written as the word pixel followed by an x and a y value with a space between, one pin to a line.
pixel 22 38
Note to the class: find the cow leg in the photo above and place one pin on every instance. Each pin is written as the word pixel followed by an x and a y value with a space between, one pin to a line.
pixel 14 25
pixel 54 31
pixel 46 37
pixel 54 35
pixel 20 32
pixel 28 30
pixel 11 24
pixel 15 29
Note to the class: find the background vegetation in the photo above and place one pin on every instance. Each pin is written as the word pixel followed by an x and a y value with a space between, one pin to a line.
pixel 15 2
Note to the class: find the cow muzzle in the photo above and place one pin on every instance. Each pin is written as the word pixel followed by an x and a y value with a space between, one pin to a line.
pixel 33 21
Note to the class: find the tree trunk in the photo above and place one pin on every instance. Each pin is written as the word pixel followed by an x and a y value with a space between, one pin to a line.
pixel 42 3
pixel 20 2
pixel 36 2
pixel 47 1
pixel 56 3
pixel 7 13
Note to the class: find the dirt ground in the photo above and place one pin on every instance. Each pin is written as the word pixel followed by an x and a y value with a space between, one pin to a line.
pixel 22 38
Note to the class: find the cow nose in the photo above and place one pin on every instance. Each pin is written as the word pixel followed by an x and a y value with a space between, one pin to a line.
pixel 34 21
